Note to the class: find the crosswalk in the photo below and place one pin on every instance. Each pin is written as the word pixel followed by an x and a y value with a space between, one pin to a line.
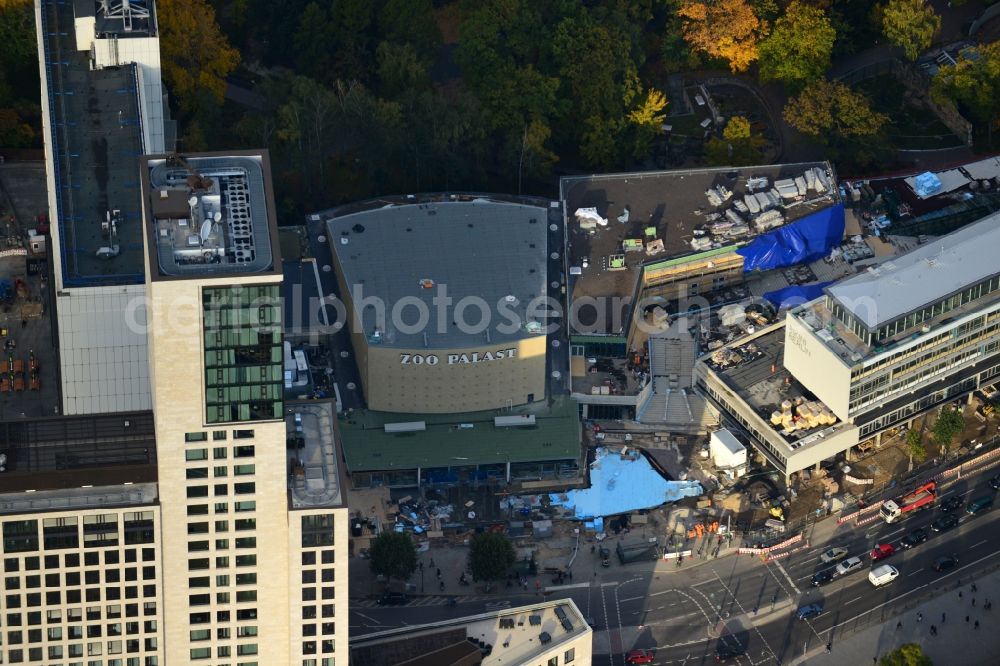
pixel 423 601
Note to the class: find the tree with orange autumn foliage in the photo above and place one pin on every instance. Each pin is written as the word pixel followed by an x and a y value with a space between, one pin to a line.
pixel 727 29
pixel 196 56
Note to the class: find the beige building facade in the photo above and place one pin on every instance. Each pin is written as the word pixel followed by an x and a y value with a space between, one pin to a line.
pixel 465 379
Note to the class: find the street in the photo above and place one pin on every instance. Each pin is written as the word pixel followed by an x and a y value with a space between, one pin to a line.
pixel 740 601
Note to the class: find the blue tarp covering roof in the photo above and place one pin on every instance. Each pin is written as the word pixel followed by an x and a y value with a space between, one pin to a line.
pixel 927 184
pixel 804 240
pixel 796 294
pixel 621 484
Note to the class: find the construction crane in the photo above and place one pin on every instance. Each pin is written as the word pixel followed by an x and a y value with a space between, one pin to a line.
pixel 194 180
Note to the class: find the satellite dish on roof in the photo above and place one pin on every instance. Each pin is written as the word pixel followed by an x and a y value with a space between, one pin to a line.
pixel 217 217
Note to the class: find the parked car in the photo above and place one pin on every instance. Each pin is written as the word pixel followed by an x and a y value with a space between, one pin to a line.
pixel 810 610
pixel 979 505
pixel 945 522
pixel 833 555
pixel 392 599
pixel 822 577
pixel 849 565
pixel 914 538
pixel 995 482
pixel 882 551
pixel 952 503
pixel 945 563
pixel 639 657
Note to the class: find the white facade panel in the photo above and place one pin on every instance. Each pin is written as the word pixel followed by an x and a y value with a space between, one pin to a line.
pixel 817 367
pixel 145 52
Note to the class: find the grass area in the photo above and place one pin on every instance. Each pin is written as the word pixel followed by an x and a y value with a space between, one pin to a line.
pixel 911 127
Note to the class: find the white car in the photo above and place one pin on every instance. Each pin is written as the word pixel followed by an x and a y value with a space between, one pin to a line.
pixel 849 565
pixel 882 575
pixel 833 555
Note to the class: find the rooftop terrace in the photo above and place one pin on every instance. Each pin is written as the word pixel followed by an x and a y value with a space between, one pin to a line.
pixel 210 215
pixel 315 473
pixel 97 140
pixel 655 216
pixel 755 371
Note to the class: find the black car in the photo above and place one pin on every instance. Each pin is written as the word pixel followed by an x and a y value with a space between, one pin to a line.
pixel 945 522
pixel 727 652
pixel 945 563
pixel 392 599
pixel 916 537
pixel 995 482
pixel 952 503
pixel 822 577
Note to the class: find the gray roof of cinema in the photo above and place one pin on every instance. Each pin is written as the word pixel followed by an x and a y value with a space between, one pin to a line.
pixel 926 275
pixel 97 136
pixel 480 248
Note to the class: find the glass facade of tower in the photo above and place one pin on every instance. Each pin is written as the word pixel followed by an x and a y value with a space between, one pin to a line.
pixel 243 353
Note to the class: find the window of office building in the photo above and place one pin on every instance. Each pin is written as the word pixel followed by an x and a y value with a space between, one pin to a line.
pixel 20 536
pixel 60 533
pixel 317 531
pixel 243 353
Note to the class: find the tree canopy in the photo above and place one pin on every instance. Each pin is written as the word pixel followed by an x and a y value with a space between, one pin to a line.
pixel 726 29
pixel 910 654
pixel 912 24
pixel 949 423
pixel 393 555
pixel 196 56
pixel 973 82
pixel 739 146
pixel 491 556
pixel 829 108
pixel 798 49
pixel 915 445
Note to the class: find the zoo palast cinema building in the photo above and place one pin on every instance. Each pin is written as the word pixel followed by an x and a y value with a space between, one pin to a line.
pixel 445 297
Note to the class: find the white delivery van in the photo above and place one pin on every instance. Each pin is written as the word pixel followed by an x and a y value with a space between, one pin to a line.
pixel 881 575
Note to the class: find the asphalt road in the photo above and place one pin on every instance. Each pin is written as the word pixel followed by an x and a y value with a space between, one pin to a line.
pixel 741 601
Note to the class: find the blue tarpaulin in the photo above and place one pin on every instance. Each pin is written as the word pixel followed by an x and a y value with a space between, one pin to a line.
pixel 804 240
pixel 622 484
pixel 795 295
pixel 927 184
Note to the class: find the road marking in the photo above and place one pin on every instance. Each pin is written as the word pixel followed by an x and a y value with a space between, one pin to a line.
pixel 914 573
pixel 370 619
pixel 572 586
pixel 978 544
pixel 852 600
pixel 789 578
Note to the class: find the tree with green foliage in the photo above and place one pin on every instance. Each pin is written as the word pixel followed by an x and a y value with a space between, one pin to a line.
pixel 491 556
pixel 973 83
pixel 841 118
pixel 17 35
pixel 798 49
pixel 739 146
pixel 196 56
pixel 911 654
pixel 647 119
pixel 915 446
pixel 950 423
pixel 393 555
pixel 912 24
pixel 313 51
pixel 400 68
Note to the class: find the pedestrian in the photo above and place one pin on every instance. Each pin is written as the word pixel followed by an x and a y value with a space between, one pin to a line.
pixel 973 602
pixel 960 594
pixel 942 618
pixel 973 588
pixel 432 563
pixel 977 624
pixel 899 625
pixel 933 630
pixel 966 619
pixel 439 573
pixel 920 617
pixel 442 586
pixel 829 648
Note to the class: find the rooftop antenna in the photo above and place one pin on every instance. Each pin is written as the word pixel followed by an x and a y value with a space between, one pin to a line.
pixel 125 10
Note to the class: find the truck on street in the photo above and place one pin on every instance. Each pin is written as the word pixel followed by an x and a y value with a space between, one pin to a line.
pixel 921 498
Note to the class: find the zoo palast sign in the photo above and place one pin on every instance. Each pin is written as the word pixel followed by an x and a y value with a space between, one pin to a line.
pixel 457 359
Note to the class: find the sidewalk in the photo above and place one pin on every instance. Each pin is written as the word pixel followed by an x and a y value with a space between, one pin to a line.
pixel 957 642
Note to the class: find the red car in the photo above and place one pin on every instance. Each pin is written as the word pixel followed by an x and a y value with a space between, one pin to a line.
pixel 639 657
pixel 882 551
